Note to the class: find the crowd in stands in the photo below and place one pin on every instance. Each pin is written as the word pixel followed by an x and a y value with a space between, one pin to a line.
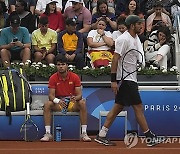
pixel 41 29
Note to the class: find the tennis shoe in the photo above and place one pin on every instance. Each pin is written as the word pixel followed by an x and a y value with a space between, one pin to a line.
pixel 85 137
pixel 47 137
pixel 154 141
pixel 104 140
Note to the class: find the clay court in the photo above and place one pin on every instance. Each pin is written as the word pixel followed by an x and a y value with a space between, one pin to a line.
pixel 78 147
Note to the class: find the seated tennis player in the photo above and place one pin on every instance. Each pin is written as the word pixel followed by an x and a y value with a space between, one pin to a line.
pixel 63 84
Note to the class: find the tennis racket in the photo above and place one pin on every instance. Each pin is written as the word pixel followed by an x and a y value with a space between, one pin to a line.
pixel 29 130
pixel 131 62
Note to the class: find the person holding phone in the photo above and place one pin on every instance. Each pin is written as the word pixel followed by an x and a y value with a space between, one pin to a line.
pixel 15 42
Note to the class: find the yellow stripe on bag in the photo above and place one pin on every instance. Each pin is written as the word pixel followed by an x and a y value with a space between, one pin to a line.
pixel 13 91
pixel 23 92
pixel 5 90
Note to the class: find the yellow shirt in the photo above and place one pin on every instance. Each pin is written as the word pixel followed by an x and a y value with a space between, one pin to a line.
pixel 70 42
pixel 44 40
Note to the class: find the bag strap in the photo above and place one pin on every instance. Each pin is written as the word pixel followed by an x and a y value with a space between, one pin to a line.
pixel 13 89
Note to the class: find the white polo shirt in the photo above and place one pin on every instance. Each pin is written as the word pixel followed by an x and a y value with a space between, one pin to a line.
pixel 123 44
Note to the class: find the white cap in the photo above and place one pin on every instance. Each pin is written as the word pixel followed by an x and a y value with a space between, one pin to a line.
pixel 52 1
pixel 77 1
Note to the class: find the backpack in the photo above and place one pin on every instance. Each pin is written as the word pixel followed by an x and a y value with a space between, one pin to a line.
pixel 14 92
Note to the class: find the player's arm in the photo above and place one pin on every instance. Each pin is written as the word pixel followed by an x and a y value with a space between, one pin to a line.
pixel 114 66
pixel 78 93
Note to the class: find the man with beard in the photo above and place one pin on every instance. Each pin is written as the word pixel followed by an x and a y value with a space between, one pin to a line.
pixel 125 85
pixel 63 84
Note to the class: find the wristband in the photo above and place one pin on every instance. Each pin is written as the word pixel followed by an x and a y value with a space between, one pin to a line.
pixel 56 100
pixel 102 35
pixel 113 77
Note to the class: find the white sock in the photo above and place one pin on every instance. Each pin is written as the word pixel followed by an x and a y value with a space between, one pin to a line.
pixel 84 128
pixel 103 131
pixel 48 129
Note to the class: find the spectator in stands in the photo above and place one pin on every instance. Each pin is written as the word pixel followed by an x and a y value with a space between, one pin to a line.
pixel 41 6
pixel 44 41
pixel 70 44
pixel 24 15
pixel 99 45
pixel 15 42
pixel 121 26
pixel 158 48
pixel 56 21
pixel 81 14
pixel 103 12
pixel 3 15
pixel 69 3
pixel 110 3
pixel 63 84
pixel 158 16
pixel 147 6
pixel 31 4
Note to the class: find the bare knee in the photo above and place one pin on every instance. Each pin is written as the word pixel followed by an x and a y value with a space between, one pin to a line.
pixel 82 104
pixel 48 106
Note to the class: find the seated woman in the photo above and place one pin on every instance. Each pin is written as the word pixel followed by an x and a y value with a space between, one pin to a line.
pixel 99 45
pixel 103 12
pixel 158 16
pixel 159 47
pixel 56 20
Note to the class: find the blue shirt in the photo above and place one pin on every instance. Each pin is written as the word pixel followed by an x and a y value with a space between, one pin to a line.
pixel 7 36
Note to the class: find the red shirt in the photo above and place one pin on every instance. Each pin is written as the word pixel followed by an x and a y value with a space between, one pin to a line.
pixel 56 21
pixel 64 88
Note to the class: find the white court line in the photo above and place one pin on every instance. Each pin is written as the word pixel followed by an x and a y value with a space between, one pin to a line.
pixel 62 149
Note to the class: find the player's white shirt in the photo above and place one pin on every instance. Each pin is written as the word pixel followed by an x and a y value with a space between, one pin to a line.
pixel 41 4
pixel 97 38
pixel 123 44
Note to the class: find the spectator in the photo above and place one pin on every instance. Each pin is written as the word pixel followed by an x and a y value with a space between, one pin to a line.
pixel 41 6
pixel 44 42
pixel 70 44
pixel 103 12
pixel 15 42
pixel 69 3
pixel 158 48
pixel 30 5
pixel 82 16
pixel 121 28
pixel 63 84
pixel 133 9
pixel 3 14
pixel 56 21
pixel 99 45
pixel 24 15
pixel 109 2
pixel 158 16
pixel 175 11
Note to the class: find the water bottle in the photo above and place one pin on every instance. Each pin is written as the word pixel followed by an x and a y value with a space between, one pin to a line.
pixel 58 133
pixel 66 100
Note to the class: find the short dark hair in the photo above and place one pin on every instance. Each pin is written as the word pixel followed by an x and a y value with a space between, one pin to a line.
pixel 61 59
pixel 43 20
pixel 70 21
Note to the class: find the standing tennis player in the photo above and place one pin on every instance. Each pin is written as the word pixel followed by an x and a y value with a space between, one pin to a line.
pixel 127 93
pixel 63 84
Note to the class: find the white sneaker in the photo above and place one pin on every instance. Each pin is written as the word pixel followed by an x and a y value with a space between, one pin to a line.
pixel 85 137
pixel 47 137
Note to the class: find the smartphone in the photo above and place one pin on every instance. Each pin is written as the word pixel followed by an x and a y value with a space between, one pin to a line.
pixel 15 39
pixel 103 15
